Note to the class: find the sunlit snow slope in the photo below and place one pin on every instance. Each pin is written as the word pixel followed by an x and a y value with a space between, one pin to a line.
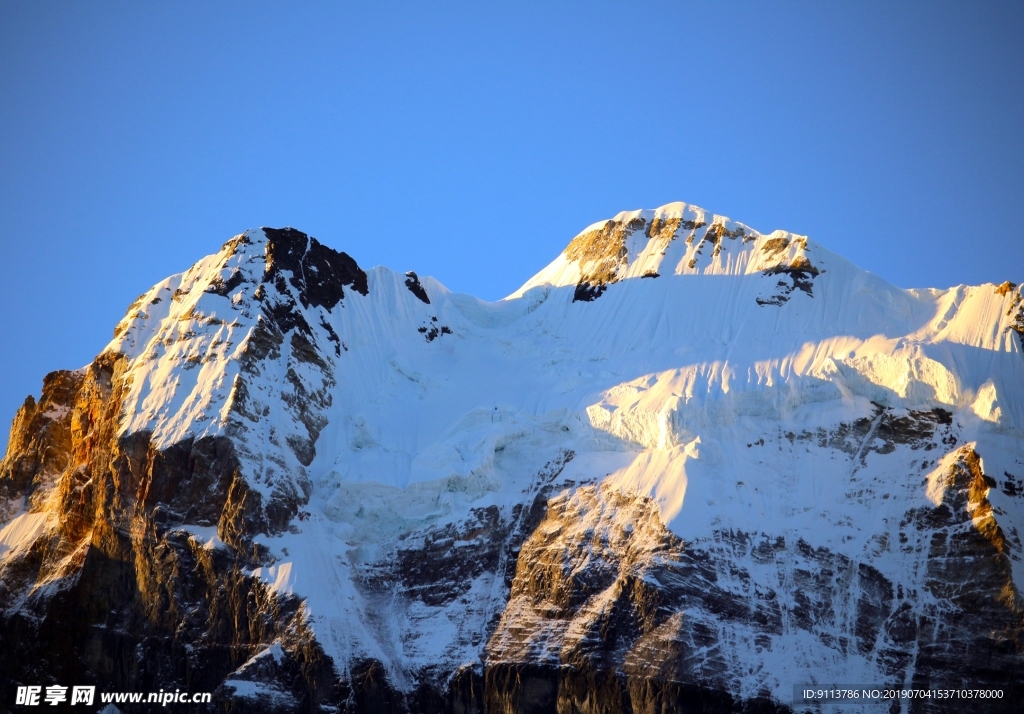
pixel 673 385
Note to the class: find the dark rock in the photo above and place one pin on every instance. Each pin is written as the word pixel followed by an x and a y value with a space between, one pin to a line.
pixel 587 292
pixel 971 629
pixel 1011 487
pixel 601 253
pixel 412 281
pixel 317 272
pixel 432 332
pixel 222 287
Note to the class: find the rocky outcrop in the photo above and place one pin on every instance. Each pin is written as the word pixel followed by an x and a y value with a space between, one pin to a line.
pixel 243 347
pixel 968 624
pixel 139 578
pixel 636 628
pixel 609 612
pixel 601 254
pixel 412 281
pixel 1016 310
pixel 799 270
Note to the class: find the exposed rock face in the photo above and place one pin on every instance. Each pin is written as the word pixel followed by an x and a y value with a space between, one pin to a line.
pixel 254 314
pixel 653 624
pixel 318 273
pixel 967 574
pixel 305 487
pixel 117 590
pixel 1016 309
pixel 412 281
pixel 683 240
pixel 139 578
pixel 601 253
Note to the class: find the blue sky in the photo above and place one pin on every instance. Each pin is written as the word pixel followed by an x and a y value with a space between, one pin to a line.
pixel 471 141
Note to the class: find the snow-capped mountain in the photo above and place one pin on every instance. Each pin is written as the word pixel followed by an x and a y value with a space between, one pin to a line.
pixel 685 467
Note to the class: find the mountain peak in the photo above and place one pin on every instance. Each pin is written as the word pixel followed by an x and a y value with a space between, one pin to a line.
pixel 241 344
pixel 675 239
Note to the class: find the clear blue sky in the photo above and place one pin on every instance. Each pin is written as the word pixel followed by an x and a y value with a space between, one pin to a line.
pixel 471 141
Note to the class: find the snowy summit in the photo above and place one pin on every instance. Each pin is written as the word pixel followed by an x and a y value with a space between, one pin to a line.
pixel 685 459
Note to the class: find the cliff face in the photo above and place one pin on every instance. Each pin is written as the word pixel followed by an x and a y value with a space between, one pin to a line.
pixel 137 575
pixel 307 487
pixel 654 624
pixel 114 590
